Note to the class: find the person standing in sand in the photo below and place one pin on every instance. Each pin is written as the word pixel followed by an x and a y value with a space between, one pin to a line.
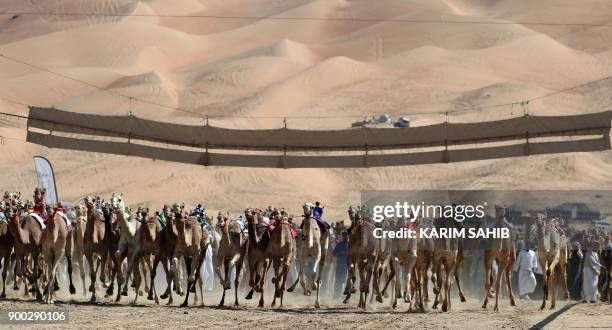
pixel 590 273
pixel 525 265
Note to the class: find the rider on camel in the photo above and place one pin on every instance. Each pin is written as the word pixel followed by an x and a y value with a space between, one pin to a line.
pixel 40 208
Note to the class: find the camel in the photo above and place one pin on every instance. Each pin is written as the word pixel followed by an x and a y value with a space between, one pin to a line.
pixel 27 234
pixel 196 261
pixel 445 256
pixel 128 228
pixel 361 254
pixel 502 250
pixel 257 257
pixel 188 245
pixel 53 241
pixel 75 247
pixel 552 251
pixel 168 241
pixel 150 240
pixel 404 255
pixel 314 246
pixel 281 249
pixel 6 246
pixel 232 250
pixel 98 240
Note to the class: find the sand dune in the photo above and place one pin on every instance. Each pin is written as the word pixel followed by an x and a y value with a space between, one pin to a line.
pixel 255 67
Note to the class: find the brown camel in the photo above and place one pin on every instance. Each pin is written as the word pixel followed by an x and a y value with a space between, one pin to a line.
pixel 98 240
pixel 404 254
pixel 53 240
pixel 552 252
pixel 361 254
pixel 169 234
pixel 257 257
pixel 445 256
pixel 196 261
pixel 75 247
pixel 150 241
pixel 6 245
pixel 232 250
pixel 502 250
pixel 27 234
pixel 281 249
pixel 188 245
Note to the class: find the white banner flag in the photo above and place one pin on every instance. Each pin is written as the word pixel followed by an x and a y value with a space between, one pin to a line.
pixel 46 179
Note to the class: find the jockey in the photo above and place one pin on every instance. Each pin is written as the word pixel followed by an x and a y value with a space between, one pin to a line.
pixel 39 203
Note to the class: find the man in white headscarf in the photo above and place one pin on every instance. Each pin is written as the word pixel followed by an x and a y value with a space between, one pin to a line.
pixel 525 264
pixel 590 273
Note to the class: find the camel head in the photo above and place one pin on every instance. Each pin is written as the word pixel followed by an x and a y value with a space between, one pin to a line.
pixel 308 207
pixel 222 218
pixel 90 202
pixel 167 211
pixel 251 215
pixel 117 202
pixel 142 214
pixel 177 209
pixel 13 214
pixel 12 198
pixel 39 194
pixel 79 211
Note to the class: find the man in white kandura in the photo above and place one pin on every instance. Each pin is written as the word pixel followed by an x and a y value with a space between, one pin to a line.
pixel 590 273
pixel 525 264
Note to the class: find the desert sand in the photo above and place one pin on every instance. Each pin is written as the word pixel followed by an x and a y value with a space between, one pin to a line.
pixel 305 68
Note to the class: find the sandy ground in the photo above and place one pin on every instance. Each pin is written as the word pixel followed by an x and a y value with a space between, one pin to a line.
pixel 330 316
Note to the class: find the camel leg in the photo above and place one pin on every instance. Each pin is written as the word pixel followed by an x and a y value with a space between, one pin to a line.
pixel 153 272
pixel 393 265
pixel 50 276
pixel 552 287
pixel 276 262
pixel 252 279
pixel 500 271
pixel 71 287
pixel 371 261
pixel 262 282
pixel 458 265
pixel 285 271
pixel 5 268
pixel 448 267
pixel 362 281
pixel 487 275
pixel 545 287
pixel 301 273
pixel 92 276
pixel 116 261
pixel 81 262
pixel 225 280
pixel 509 283
pixel 166 264
pixel 321 265
pixel 172 275
pixel 350 279
pixel 237 279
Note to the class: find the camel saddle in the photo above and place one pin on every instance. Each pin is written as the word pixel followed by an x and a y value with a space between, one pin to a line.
pixel 39 219
pixel 272 226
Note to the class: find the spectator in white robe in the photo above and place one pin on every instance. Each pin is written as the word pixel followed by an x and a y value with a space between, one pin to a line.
pixel 525 264
pixel 590 273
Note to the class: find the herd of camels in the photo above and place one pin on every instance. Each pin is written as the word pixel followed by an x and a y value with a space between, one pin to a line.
pixel 107 236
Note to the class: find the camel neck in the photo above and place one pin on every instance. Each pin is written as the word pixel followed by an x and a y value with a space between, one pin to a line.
pixel 252 231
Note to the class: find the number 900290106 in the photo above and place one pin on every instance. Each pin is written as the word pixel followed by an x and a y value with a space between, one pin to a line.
pixel 32 316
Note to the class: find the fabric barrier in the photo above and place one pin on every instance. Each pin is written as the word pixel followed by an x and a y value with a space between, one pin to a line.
pixel 291 139
pixel 281 161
